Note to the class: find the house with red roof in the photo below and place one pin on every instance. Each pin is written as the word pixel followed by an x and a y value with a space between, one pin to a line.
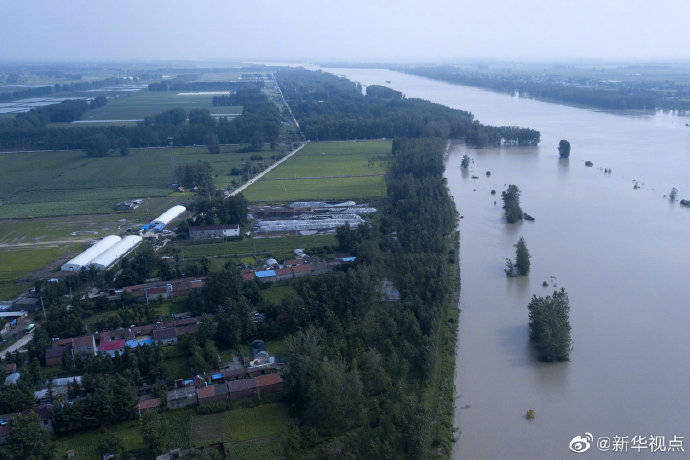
pixel 113 347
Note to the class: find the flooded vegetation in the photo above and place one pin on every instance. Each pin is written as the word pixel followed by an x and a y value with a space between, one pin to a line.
pixel 618 251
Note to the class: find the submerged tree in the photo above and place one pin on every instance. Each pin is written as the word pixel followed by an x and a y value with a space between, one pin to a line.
pixel 511 203
pixel 564 148
pixel 465 162
pixel 549 326
pixel 522 257
pixel 674 194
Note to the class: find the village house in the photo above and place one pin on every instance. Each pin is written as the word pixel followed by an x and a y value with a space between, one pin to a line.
pixel 148 405
pixel 165 336
pixel 268 383
pixel 212 394
pixel 181 397
pixel 242 388
pixel 112 347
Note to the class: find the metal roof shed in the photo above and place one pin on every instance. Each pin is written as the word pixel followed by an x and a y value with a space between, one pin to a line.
pixel 83 259
pixel 116 252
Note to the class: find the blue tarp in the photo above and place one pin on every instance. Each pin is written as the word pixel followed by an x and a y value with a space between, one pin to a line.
pixel 138 343
pixel 348 259
pixel 216 376
pixel 159 227
pixel 265 273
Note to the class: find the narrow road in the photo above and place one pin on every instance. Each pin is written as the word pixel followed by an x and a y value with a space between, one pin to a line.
pixel 266 171
pixel 17 345
pixel 45 243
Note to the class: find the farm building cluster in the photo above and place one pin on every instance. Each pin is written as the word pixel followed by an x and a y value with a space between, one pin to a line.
pixel 307 217
pixel 301 265
pixel 103 253
pixel 107 251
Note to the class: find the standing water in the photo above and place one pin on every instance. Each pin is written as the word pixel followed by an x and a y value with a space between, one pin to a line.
pixel 621 251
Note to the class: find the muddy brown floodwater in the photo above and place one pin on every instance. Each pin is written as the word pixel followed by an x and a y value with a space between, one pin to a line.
pixel 623 255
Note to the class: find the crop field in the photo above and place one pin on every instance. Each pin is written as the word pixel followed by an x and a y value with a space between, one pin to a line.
pixel 137 105
pixel 37 184
pixel 266 421
pixel 275 247
pixel 320 172
pixel 17 263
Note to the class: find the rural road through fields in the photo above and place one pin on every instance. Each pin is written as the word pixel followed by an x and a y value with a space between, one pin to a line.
pixel 44 243
pixel 266 171
pixel 17 345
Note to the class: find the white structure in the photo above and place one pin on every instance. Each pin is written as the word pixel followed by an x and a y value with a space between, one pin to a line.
pixel 83 259
pixel 116 252
pixel 169 215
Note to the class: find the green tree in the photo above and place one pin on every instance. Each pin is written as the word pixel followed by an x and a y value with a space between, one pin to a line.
pixel 549 326
pixel 511 204
pixel 564 148
pixel 97 145
pixel 27 439
pixel 123 146
pixel 522 257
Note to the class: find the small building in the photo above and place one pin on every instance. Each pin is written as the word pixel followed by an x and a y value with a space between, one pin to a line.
pixel 242 388
pixel 212 394
pixel 182 397
pixel 148 405
pixel 235 374
pixel 84 345
pixel 45 414
pixel 209 232
pixel 113 347
pixel 268 383
pixel 165 336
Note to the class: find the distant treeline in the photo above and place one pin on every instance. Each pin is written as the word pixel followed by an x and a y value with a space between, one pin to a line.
pixel 180 84
pixel 258 123
pixel 331 107
pixel 242 96
pixel 616 95
pixel 52 90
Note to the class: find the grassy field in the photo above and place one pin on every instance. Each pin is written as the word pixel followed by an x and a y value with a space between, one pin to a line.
pixel 266 421
pixel 39 184
pixel 319 159
pixel 275 247
pixel 17 263
pixel 139 104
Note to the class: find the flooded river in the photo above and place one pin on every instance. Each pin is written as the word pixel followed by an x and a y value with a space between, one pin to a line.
pixel 622 253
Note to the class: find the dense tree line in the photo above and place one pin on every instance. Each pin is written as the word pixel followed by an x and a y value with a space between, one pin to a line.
pixel 331 107
pixel 181 84
pixel 58 88
pixel 104 400
pixel 593 92
pixel 198 174
pixel 258 123
pixel 243 96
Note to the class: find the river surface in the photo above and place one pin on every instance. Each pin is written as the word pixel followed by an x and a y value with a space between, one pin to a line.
pixel 622 254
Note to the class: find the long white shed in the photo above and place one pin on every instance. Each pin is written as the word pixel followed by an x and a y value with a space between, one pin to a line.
pixel 169 215
pixel 82 260
pixel 116 252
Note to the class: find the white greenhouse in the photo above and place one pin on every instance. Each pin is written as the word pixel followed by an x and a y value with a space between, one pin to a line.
pixel 169 215
pixel 116 252
pixel 83 259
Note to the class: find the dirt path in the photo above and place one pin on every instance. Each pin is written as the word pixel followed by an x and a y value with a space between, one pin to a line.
pixel 266 171
pixel 44 243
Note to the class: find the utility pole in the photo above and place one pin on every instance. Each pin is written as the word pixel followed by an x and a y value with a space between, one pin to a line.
pixel 172 159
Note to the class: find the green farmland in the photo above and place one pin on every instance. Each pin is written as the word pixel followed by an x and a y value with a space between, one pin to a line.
pixel 320 172
pixel 137 105
pixel 17 263
pixel 253 432
pixel 37 184
pixel 275 247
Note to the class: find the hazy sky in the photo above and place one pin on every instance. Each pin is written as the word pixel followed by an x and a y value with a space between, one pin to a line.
pixel 371 30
